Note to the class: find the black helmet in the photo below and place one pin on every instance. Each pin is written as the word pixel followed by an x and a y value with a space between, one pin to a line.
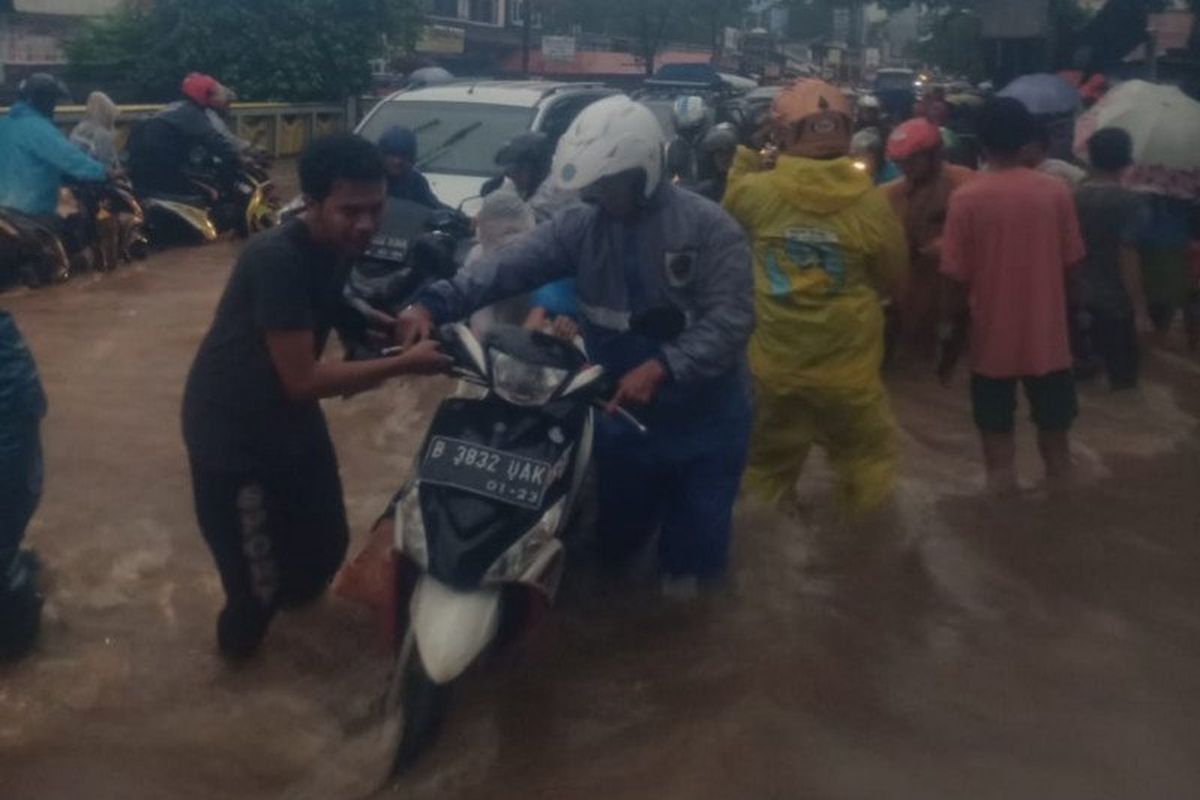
pixel 42 91
pixel 722 137
pixel 530 147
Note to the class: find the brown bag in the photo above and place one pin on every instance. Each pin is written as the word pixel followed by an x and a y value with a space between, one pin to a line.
pixel 370 578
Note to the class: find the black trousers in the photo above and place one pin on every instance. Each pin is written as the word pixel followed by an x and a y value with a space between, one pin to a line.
pixel 1115 341
pixel 278 536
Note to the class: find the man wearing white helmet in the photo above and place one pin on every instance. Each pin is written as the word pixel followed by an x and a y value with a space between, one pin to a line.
pixel 643 252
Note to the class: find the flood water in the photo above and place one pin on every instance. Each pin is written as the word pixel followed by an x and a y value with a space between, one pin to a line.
pixel 1044 646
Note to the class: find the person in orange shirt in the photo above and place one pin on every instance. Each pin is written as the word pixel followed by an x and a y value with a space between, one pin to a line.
pixel 920 199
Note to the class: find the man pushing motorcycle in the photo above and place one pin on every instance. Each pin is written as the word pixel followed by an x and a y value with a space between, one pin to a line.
pixel 665 291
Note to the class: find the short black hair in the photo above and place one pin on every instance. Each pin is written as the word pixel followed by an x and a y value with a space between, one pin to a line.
pixel 1110 149
pixel 341 157
pixel 1005 126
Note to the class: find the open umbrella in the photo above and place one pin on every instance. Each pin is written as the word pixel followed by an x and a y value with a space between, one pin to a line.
pixel 1164 124
pixel 1043 93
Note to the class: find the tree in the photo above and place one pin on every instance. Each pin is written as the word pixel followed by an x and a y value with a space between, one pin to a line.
pixel 651 25
pixel 295 50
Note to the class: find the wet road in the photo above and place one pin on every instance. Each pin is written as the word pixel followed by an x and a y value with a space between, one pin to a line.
pixel 1042 647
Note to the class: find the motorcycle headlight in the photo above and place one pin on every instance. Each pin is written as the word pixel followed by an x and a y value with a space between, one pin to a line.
pixel 410 530
pixel 522 383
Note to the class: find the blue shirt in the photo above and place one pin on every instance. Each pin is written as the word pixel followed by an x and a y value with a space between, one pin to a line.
pixel 34 157
pixel 558 298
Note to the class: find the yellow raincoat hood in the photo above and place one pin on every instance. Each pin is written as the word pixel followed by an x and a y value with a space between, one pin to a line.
pixel 826 244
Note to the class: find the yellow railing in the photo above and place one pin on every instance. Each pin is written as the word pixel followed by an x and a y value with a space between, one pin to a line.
pixel 281 129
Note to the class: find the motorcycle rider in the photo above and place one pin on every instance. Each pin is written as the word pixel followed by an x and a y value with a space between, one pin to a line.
pixel 22 406
pixel 405 181
pixel 162 147
pixel 96 133
pixel 526 162
pixel 35 156
pixel 690 118
pixel 264 473
pixel 717 150
pixel 825 245
pixel 641 250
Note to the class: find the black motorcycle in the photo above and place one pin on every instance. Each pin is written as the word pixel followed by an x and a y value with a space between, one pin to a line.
pixel 107 230
pixel 415 246
pixel 222 198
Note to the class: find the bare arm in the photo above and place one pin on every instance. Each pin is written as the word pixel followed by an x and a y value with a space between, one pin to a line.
pixel 1130 263
pixel 305 378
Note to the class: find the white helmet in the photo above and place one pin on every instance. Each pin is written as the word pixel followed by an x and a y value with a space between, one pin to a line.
pixel 688 113
pixel 610 136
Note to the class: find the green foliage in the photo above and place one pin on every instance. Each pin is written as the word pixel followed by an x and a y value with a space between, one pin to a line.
pixel 649 25
pixel 293 50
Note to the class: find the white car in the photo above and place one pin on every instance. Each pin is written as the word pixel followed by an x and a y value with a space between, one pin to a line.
pixel 461 126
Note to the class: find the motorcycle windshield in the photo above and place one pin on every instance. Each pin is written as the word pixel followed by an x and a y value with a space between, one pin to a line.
pixel 487 473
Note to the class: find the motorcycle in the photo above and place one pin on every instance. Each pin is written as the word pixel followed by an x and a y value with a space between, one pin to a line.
pixel 477 537
pixel 108 229
pixel 115 224
pixel 414 246
pixel 31 251
pixel 241 199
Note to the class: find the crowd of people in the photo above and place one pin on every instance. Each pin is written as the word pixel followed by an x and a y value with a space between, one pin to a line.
pixel 786 294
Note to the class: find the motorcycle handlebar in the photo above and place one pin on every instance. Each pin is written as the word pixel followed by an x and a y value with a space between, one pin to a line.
pixel 467 375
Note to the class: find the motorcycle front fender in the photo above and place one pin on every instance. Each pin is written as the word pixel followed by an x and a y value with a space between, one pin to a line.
pixel 196 218
pixel 261 215
pixel 451 628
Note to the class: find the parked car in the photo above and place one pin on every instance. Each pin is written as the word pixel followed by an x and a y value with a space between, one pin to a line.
pixel 461 126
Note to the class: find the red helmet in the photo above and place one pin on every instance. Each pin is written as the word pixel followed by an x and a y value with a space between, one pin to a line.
pixel 912 137
pixel 199 88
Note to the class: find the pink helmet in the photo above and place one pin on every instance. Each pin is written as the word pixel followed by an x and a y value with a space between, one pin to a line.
pixel 912 137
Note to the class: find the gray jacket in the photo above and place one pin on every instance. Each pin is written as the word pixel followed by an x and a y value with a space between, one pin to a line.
pixel 687 252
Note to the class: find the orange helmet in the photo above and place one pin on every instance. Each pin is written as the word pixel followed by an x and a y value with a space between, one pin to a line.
pixel 819 114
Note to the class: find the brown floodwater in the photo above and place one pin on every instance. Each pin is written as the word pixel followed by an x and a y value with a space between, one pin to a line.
pixel 1043 646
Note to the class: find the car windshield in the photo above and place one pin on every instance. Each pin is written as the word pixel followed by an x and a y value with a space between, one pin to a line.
pixel 453 138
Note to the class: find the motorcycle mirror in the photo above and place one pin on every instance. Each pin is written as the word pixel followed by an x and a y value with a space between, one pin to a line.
pixel 471 206
pixel 662 324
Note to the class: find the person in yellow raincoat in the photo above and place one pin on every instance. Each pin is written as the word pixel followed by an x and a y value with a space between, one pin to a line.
pixel 826 245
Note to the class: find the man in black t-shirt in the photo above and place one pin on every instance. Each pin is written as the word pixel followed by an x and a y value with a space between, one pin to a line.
pixel 264 474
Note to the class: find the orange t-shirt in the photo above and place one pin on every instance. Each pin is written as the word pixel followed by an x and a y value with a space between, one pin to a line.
pixel 1011 236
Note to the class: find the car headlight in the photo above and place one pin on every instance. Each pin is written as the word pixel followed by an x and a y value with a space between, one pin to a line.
pixel 522 383
pixel 410 528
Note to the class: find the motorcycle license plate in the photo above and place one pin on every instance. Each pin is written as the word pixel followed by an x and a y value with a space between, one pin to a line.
pixel 501 476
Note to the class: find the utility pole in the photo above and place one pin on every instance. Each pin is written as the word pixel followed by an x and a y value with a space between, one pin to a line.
pixel 1152 51
pixel 526 34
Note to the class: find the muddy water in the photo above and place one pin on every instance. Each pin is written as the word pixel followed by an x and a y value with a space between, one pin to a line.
pixel 1044 646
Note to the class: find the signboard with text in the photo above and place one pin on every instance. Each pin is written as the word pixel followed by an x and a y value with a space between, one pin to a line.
pixel 558 48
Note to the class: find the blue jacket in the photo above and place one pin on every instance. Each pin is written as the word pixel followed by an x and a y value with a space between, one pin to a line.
pixel 34 157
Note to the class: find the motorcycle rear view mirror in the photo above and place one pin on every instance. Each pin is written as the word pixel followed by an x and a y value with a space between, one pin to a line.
pixel 471 206
pixel 662 324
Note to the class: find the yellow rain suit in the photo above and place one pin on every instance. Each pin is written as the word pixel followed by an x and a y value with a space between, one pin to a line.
pixel 825 244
